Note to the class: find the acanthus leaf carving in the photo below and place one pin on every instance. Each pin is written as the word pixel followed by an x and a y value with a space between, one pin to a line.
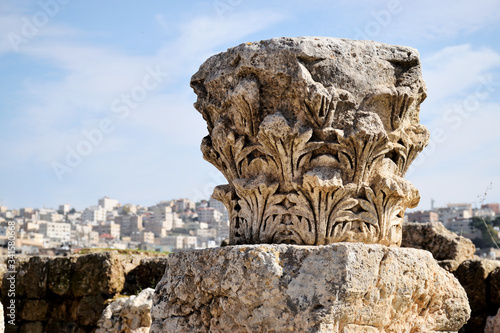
pixel 314 146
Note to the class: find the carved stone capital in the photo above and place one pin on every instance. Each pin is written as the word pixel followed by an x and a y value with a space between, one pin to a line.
pixel 314 136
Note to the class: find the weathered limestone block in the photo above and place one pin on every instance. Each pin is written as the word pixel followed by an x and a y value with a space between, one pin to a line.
pixel 98 273
pixel 32 327
pixel 128 314
pixel 494 291
pixel 89 310
pixel 34 310
pixel 31 279
pixel 60 275
pixel 314 136
pixel 345 287
pixel 493 324
pixel 2 319
pixel 445 246
pixel 474 276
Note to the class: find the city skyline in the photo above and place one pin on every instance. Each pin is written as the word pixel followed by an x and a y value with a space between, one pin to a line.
pixel 95 97
pixel 474 205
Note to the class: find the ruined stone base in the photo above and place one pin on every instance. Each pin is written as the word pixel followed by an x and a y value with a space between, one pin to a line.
pixel 344 287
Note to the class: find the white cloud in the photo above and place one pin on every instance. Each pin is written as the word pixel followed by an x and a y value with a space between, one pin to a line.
pixel 461 162
pixel 454 69
pixel 87 79
pixel 430 20
pixel 23 22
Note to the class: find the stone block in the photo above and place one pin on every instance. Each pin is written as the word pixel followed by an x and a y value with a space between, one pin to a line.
pixel 34 327
pixel 128 314
pixel 344 287
pixel 443 244
pixel 493 323
pixel 89 310
pixel 146 275
pixel 98 273
pixel 31 278
pixel 60 275
pixel 494 284
pixel 474 276
pixel 35 310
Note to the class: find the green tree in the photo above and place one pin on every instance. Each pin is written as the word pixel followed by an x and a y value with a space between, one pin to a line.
pixel 489 236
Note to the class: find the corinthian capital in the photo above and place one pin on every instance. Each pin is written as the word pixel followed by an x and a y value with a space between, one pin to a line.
pixel 314 136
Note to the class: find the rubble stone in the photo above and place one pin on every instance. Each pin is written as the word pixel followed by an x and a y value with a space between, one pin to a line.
pixel 128 314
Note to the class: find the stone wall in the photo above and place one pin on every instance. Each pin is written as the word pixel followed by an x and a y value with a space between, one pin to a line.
pixel 68 294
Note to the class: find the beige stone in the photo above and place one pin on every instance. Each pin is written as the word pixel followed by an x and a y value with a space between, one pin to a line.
pixel 2 319
pixel 446 246
pixel 345 287
pixel 475 275
pixel 127 314
pixel 493 324
pixel 314 136
pixel 98 273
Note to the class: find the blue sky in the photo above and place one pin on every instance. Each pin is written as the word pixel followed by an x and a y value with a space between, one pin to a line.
pixel 67 67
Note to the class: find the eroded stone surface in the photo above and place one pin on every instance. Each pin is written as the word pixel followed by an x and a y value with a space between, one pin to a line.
pixel 474 276
pixel 446 246
pixel 493 324
pixel 314 136
pixel 2 319
pixel 343 287
pixel 128 314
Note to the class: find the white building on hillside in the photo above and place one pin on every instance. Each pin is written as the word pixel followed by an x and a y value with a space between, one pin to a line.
pixel 55 230
pixel 107 203
pixel 94 214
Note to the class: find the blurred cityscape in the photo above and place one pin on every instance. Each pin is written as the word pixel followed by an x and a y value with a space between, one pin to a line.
pixel 167 226
pixel 182 224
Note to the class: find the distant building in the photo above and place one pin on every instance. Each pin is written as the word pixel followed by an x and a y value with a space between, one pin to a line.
pixel 184 204
pixel 454 212
pixel 107 203
pixel 484 213
pixel 64 209
pixel 162 221
pixel 109 228
pixel 49 215
pixel 129 224
pixel 55 230
pixel 216 204
pixel 179 242
pixel 128 209
pixel 423 216
pixel 26 212
pixel 209 215
pixel 94 214
pixel 143 237
pixel 165 203
pixel 495 207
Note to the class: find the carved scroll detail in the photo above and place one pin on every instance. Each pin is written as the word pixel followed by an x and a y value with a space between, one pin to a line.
pixel 311 158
